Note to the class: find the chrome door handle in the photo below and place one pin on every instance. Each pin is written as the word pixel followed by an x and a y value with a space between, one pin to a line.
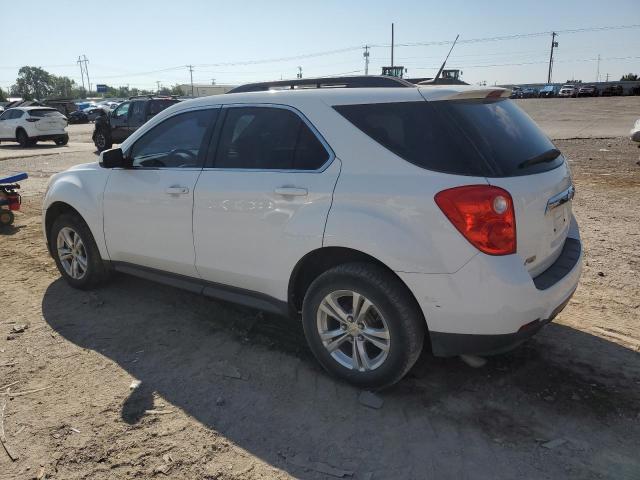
pixel 176 190
pixel 291 191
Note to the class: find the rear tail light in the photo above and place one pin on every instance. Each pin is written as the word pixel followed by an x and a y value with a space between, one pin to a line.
pixel 14 201
pixel 483 214
pixel 31 119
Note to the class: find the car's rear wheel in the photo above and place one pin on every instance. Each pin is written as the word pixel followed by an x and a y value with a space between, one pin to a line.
pixel 22 138
pixel 76 253
pixel 102 141
pixel 363 325
pixel 63 140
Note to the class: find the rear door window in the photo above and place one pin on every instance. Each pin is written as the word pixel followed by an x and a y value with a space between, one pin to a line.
pixel 491 138
pixel 268 138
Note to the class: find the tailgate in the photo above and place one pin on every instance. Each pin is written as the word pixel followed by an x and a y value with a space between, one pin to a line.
pixel 542 205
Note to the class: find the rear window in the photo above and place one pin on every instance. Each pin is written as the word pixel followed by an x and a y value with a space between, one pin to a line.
pixel 158 105
pixel 45 112
pixel 489 138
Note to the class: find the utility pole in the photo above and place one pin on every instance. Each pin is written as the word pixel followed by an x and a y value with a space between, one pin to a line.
pixel 79 62
pixel 86 70
pixel 366 59
pixel 554 44
pixel 598 71
pixel 607 77
pixel 158 83
pixel 213 81
pixel 299 72
pixel 392 44
pixel 190 67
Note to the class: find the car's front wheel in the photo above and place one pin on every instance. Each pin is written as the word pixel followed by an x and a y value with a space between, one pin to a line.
pixel 363 325
pixel 102 140
pixel 76 253
pixel 22 138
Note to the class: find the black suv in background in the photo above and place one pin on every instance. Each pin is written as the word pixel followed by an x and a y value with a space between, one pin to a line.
pixel 126 119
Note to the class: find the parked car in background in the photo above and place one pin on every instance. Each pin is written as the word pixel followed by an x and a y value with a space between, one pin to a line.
pixel 548 91
pixel 79 116
pixel 567 91
pixel 588 91
pixel 29 125
pixel 94 112
pixel 280 200
pixel 635 131
pixel 529 92
pixel 516 92
pixel 116 126
pixel 612 91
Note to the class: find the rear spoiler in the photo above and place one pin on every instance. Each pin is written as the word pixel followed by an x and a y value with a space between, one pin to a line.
pixel 445 92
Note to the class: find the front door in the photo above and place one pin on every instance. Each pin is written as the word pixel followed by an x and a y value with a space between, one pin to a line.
pixel 148 207
pixel 120 123
pixel 263 203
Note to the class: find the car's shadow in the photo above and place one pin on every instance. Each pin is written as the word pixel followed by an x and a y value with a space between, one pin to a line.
pixel 38 146
pixel 445 420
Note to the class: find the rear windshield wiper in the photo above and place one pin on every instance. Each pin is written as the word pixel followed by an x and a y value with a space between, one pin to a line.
pixel 548 156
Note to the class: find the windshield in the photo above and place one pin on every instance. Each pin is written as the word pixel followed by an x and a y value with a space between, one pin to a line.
pixel 490 138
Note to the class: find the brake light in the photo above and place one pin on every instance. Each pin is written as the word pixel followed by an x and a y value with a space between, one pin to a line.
pixel 483 214
pixel 14 201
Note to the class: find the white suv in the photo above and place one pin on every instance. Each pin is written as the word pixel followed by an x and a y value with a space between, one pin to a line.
pixel 28 125
pixel 382 217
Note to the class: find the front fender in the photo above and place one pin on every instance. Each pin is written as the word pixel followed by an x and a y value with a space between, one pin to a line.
pixel 81 188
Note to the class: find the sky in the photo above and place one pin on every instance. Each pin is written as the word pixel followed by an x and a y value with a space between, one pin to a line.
pixel 139 42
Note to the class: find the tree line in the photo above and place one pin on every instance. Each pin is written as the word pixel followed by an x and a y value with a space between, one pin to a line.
pixel 35 83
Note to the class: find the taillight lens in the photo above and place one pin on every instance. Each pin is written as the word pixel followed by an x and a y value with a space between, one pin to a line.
pixel 483 214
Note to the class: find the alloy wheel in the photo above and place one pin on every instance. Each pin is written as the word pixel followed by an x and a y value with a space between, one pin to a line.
pixel 353 330
pixel 72 253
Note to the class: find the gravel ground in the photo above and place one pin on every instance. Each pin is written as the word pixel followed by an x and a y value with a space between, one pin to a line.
pixel 139 380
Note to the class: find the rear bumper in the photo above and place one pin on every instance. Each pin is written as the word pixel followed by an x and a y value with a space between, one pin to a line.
pixel 50 136
pixel 492 304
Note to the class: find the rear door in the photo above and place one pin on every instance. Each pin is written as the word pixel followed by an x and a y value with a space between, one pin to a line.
pixel 148 208
pixel 137 115
pixel 120 122
pixel 263 201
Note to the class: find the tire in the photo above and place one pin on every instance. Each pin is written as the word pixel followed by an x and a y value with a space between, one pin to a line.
pixel 393 309
pixel 22 138
pixel 62 140
pixel 94 272
pixel 6 217
pixel 102 140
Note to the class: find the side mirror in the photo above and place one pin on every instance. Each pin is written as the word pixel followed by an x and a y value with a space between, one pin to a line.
pixel 114 158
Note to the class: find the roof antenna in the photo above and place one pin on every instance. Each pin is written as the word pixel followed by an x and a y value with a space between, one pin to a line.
pixel 435 79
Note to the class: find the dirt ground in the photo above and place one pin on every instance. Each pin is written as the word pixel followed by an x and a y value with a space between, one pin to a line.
pixel 139 380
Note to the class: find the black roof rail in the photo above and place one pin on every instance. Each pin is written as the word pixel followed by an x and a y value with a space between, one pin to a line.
pixel 157 97
pixel 362 81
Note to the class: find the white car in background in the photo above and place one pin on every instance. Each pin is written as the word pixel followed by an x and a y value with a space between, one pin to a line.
pixel 383 218
pixel 30 125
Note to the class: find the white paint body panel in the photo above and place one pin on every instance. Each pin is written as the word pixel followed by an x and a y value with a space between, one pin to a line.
pixel 145 225
pixel 81 187
pixel 489 295
pixel 248 236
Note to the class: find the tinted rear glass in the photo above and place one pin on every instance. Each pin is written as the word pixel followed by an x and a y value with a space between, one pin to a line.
pixel 45 112
pixel 491 138
pixel 158 105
